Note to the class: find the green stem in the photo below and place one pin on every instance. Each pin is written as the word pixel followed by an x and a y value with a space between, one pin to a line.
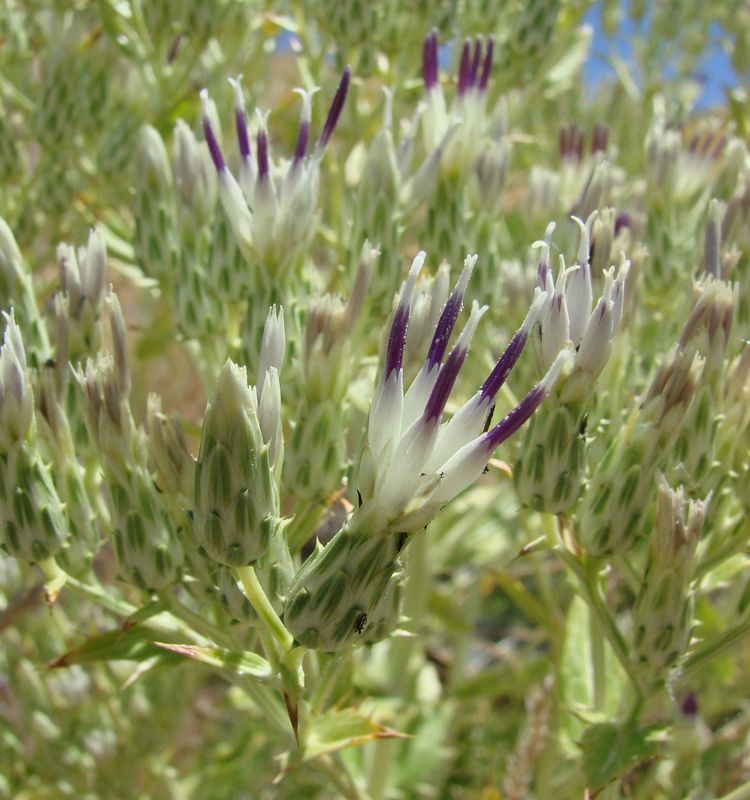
pixel 262 605
pixel 416 593
pixel 304 525
pixel 588 582
pixel 98 595
pixel 598 661
pixel 728 639
pixel 196 621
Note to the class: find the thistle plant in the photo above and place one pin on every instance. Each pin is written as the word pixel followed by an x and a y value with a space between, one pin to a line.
pixel 321 474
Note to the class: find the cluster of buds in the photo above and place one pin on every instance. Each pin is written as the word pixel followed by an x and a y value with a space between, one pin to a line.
pixel 551 467
pixel 663 611
pixel 316 454
pixel 708 331
pixel 413 464
pixel 79 304
pixel 33 526
pixel 613 506
pixel 145 540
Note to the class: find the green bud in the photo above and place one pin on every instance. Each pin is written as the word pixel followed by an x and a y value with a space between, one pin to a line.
pixel 612 509
pixel 346 592
pixel 33 526
pixel 549 472
pixel 236 501
pixel 663 611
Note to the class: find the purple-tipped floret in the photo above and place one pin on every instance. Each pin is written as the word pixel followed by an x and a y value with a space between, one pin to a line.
pixel 444 384
pixel 474 71
pixel 600 138
pixel 243 138
pixel 622 220
pixel 464 67
pixel 505 364
pixel 396 340
pixel 213 146
pixel 301 146
pixel 487 65
pixel 430 60
pixel 337 107
pixel 444 328
pixel 515 418
pixel 262 143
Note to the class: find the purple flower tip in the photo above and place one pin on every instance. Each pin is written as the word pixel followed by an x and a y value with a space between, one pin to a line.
pixel 444 384
pixel 395 353
pixel 263 167
pixel 444 328
pixel 337 107
pixel 689 705
pixel 623 220
pixel 213 145
pixel 430 60
pixel 243 138
pixel 515 418
pixel 505 364
pixel 474 71
pixel 464 67
pixel 301 147
pixel 600 138
pixel 175 48
pixel 487 66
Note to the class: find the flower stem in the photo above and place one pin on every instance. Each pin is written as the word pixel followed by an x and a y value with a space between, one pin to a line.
pixel 262 605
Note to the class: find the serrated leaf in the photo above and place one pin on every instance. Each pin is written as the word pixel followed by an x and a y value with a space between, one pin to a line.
pixel 610 751
pixel 340 729
pixel 240 663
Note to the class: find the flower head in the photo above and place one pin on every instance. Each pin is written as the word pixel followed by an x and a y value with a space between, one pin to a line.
pixel 414 462
pixel 271 206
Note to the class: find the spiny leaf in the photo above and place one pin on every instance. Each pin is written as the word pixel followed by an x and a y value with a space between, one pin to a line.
pixel 340 729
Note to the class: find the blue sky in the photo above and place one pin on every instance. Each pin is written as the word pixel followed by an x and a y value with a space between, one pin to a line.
pixel 715 70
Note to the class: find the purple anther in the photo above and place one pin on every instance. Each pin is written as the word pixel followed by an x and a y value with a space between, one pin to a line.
pixel 262 143
pixel 430 60
pixel 444 384
pixel 505 364
pixel 464 67
pixel 474 70
pixel 444 328
pixel 487 66
pixel 337 107
pixel 396 340
pixel 243 138
pixel 213 146
pixel 515 419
